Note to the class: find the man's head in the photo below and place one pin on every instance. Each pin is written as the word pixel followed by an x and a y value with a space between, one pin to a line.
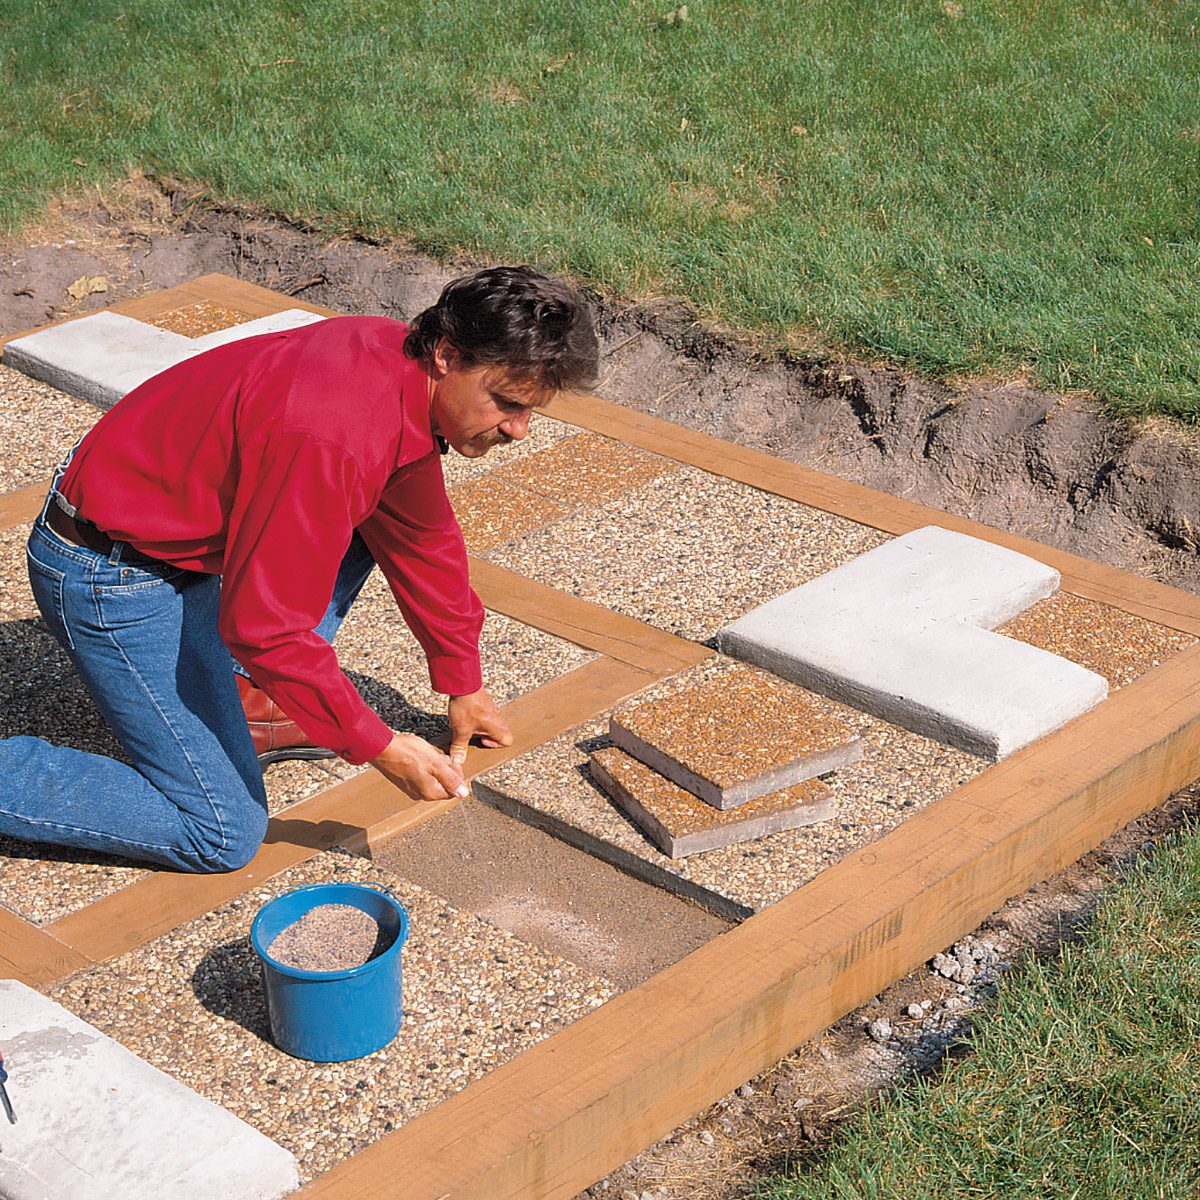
pixel 498 343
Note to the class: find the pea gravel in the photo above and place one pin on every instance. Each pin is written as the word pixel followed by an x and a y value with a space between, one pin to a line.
pixel 191 1004
pixel 38 425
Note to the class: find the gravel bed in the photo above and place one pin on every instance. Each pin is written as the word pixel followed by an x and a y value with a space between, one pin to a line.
pixel 16 600
pixel 191 1004
pixel 688 552
pixel 38 425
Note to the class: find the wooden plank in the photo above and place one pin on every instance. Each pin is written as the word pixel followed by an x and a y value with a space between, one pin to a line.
pixel 32 955
pixel 561 1115
pixel 22 505
pixel 892 514
pixel 579 621
pixel 361 812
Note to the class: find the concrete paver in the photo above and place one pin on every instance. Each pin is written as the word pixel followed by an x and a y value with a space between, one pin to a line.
pixel 735 738
pixel 94 1121
pixel 903 632
pixel 99 358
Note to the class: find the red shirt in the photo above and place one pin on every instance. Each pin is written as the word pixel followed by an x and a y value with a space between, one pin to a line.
pixel 257 461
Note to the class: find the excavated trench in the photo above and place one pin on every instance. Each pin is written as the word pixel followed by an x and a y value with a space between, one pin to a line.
pixel 1003 452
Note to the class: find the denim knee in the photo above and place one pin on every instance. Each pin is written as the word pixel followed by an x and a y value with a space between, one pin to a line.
pixel 235 849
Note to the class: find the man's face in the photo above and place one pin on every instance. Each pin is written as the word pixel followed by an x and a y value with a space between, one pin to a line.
pixel 476 408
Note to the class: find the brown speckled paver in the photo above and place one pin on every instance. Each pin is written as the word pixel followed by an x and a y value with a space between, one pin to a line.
pixel 734 738
pixel 679 824
pixel 1113 643
pixel 490 511
pixel 534 489
pixel 195 320
pixel 900 772
pixel 191 1004
pixel 585 470
pixel 38 425
pixel 687 552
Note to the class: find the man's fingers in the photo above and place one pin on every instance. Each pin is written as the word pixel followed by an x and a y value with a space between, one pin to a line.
pixel 495 732
pixel 451 778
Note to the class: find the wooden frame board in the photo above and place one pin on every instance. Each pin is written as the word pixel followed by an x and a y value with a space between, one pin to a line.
pixel 578 1104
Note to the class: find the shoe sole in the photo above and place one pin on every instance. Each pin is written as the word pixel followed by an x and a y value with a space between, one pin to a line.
pixel 293 753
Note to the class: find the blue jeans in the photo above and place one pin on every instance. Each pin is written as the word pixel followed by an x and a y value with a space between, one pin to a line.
pixel 143 637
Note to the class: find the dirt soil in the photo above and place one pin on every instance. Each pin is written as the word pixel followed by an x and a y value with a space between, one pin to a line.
pixel 1001 451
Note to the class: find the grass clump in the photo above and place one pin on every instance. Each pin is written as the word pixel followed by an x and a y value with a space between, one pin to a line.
pixel 1083 1079
pixel 959 185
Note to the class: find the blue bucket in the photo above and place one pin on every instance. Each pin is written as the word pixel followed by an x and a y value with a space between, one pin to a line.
pixel 332 1016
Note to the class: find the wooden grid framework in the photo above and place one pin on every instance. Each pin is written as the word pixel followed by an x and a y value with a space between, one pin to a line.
pixel 562 1114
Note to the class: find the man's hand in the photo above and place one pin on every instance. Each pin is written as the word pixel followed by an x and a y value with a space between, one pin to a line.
pixel 473 715
pixel 420 770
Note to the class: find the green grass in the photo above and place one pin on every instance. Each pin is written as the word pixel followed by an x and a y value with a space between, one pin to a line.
pixel 1083 1082
pixel 959 187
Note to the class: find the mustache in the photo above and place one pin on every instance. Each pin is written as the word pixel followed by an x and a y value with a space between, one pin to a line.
pixel 496 437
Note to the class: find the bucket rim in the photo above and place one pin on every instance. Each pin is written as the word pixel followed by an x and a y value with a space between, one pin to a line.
pixel 342 972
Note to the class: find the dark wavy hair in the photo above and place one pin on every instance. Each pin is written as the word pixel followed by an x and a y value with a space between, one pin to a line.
pixel 517 318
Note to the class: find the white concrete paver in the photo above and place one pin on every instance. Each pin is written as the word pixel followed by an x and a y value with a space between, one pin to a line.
pixel 101 357
pixel 903 632
pixel 95 1122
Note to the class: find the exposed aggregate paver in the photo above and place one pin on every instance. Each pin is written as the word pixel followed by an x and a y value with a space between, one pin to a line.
pixel 900 772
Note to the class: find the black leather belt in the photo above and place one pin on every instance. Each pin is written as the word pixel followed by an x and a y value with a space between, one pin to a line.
pixel 78 531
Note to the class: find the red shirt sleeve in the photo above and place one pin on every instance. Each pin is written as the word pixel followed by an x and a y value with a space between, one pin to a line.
pixel 289 528
pixel 415 539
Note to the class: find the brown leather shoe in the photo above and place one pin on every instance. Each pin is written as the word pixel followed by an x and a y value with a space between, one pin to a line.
pixel 276 737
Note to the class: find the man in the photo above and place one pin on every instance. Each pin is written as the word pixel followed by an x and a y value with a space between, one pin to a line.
pixel 236 504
